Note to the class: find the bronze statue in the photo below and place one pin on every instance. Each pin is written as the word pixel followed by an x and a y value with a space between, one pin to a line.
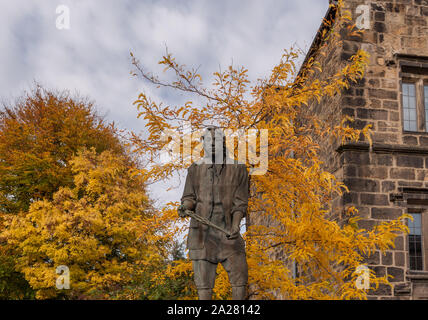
pixel 216 189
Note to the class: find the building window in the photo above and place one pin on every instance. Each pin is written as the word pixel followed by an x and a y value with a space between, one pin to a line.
pixel 426 105
pixel 414 93
pixel 295 269
pixel 415 242
pixel 409 107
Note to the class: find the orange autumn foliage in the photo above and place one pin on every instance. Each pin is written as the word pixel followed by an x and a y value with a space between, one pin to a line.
pixel 295 193
pixel 39 133
pixel 103 229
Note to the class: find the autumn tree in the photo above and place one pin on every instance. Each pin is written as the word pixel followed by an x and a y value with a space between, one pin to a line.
pixel 162 287
pixel 103 229
pixel 39 134
pixel 295 193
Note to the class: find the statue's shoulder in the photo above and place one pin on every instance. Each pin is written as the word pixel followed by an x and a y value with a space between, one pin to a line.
pixel 240 163
pixel 194 166
pixel 198 162
pixel 240 167
pixel 237 163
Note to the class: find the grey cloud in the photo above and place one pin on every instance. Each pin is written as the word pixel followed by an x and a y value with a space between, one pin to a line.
pixel 93 56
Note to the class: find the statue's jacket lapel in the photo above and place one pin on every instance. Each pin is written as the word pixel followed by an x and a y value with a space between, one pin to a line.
pixel 233 189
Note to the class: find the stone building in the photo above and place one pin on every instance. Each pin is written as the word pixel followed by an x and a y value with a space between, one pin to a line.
pixel 390 177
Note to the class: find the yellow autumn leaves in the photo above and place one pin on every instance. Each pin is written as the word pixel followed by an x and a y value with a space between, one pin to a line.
pixel 102 229
pixel 88 209
pixel 298 247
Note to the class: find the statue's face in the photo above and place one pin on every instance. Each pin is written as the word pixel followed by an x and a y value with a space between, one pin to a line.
pixel 213 142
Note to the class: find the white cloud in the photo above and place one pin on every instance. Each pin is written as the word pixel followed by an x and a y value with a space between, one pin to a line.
pixel 93 56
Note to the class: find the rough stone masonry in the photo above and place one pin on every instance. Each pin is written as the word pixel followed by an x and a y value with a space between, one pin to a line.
pixel 391 177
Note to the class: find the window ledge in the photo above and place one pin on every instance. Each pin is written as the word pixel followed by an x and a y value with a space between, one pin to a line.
pixel 417 275
pixel 415 132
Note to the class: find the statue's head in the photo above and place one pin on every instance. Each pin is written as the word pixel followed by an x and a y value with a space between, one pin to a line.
pixel 214 142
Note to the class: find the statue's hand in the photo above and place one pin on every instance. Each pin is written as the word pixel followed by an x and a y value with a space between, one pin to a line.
pixel 234 232
pixel 182 211
pixel 236 222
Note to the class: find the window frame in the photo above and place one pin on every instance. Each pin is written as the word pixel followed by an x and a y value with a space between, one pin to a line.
pixel 417 117
pixel 420 80
pixel 423 211
pixel 423 256
pixel 425 102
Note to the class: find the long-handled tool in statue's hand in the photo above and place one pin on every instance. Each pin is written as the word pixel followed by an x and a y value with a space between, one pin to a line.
pixel 206 222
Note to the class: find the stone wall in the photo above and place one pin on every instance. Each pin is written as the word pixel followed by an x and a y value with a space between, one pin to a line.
pixel 383 180
pixel 389 178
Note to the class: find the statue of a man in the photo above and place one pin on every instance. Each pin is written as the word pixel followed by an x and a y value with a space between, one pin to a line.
pixel 216 189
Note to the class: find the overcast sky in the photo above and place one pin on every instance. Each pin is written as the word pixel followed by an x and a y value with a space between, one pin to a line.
pixel 92 57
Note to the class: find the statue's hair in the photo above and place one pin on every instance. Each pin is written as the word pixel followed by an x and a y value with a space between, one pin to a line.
pixel 210 128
